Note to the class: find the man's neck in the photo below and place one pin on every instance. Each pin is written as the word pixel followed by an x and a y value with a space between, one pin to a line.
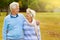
pixel 13 14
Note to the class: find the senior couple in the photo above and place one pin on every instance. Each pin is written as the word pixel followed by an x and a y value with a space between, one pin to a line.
pixel 20 27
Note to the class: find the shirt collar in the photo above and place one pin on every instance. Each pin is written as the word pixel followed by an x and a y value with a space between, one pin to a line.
pixel 13 16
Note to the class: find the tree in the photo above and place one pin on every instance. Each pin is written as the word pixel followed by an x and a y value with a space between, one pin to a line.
pixel 37 5
pixel 23 5
pixel 4 4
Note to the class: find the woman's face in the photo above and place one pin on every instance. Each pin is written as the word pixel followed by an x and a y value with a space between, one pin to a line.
pixel 28 16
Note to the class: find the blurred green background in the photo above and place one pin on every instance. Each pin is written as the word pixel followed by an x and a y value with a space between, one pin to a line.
pixel 47 11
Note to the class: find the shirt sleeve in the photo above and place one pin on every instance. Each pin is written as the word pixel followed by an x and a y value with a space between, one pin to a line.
pixel 23 17
pixel 38 29
pixel 4 29
pixel 39 33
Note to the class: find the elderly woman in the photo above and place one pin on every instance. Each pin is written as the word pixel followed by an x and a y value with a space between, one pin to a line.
pixel 13 23
pixel 31 28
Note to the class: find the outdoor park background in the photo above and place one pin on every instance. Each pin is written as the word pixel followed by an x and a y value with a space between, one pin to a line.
pixel 48 12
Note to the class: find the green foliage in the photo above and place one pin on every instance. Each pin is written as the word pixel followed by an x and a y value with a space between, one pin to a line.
pixel 23 5
pixel 5 3
pixel 37 5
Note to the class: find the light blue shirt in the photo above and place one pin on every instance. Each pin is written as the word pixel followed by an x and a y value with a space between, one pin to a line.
pixel 13 27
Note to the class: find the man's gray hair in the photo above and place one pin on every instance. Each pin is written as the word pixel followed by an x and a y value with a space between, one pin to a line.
pixel 13 5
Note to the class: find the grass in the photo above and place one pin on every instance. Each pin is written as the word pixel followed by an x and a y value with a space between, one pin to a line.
pixel 49 25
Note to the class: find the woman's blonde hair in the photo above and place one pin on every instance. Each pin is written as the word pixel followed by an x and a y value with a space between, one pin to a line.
pixel 31 12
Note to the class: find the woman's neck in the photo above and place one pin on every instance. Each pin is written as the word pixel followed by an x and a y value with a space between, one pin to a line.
pixel 30 21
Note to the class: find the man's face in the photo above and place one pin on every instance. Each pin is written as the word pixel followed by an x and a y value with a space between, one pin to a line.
pixel 16 10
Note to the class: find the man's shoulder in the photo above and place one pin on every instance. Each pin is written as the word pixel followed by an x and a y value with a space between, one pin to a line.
pixel 7 17
pixel 20 14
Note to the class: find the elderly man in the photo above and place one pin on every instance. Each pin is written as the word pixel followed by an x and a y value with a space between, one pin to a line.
pixel 13 24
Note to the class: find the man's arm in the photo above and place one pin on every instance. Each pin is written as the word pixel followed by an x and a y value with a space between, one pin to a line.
pixel 39 33
pixel 4 29
pixel 37 22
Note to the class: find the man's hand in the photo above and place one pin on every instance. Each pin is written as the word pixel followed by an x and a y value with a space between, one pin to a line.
pixel 37 22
